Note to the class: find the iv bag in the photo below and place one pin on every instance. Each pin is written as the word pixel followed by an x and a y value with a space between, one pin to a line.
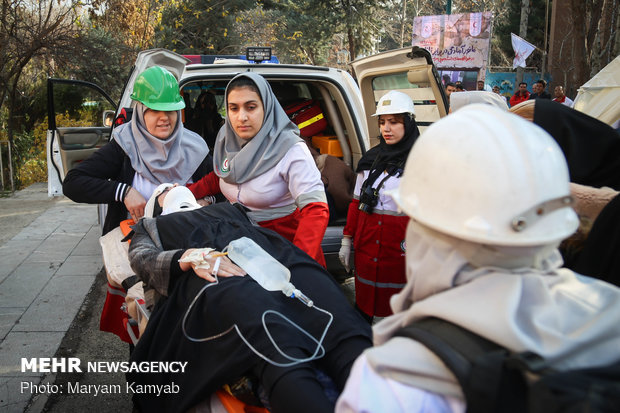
pixel 266 270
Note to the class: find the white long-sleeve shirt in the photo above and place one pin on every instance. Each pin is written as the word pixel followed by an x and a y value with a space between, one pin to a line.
pixel 364 384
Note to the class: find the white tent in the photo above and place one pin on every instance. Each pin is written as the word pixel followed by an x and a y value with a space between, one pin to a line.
pixel 599 97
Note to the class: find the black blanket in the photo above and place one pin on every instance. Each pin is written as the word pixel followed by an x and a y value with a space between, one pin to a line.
pixel 235 301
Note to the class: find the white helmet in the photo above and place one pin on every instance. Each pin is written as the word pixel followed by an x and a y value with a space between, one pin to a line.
pixel 484 175
pixel 394 102
pixel 179 198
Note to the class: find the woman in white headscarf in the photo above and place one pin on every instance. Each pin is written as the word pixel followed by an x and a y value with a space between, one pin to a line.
pixel 261 162
pixel 151 149
pixel 489 200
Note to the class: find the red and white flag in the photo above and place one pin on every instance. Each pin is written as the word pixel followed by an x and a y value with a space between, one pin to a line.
pixel 475 24
pixel 427 26
pixel 522 50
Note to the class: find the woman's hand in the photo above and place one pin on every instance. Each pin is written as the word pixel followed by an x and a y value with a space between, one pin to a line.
pixel 135 203
pixel 226 268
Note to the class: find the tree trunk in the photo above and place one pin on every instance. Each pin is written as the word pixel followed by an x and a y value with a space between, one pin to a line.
pixel 582 64
pixel 352 45
pixel 606 35
pixel 402 24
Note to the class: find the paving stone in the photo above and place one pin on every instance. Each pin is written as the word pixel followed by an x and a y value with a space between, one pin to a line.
pixel 73 218
pixel 13 253
pixel 18 345
pixel 41 227
pixel 89 245
pixel 56 305
pixel 80 265
pixel 8 317
pixel 12 398
pixel 56 247
pixel 22 287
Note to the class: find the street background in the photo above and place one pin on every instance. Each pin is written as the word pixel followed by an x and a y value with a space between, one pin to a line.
pixel 52 289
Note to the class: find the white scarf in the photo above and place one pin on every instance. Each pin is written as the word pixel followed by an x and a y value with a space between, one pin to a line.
pixel 528 304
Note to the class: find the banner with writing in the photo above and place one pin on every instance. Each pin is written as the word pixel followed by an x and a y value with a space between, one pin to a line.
pixel 455 40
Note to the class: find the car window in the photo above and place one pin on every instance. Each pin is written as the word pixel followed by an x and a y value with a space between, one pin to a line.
pixel 79 105
pixel 417 86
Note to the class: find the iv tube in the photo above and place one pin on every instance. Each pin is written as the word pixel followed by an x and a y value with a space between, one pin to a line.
pixel 318 353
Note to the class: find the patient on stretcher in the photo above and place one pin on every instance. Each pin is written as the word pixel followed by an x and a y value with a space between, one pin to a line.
pixel 236 328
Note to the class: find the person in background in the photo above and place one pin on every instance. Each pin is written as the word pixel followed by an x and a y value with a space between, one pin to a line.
pixel 538 90
pixel 497 91
pixel 450 87
pixel 374 225
pixel 479 268
pixel 521 95
pixel 459 87
pixel 206 120
pixel 560 97
pixel 261 162
pixel 480 85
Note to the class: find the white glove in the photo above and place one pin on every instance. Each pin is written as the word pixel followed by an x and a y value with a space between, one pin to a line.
pixel 345 252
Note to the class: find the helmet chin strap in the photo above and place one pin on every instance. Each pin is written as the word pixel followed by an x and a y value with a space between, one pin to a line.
pixel 537 212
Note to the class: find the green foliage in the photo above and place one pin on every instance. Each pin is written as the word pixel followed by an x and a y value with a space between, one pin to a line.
pixel 29 148
pixel 200 26
pixel 132 22
pixel 29 156
pixel 109 60
pixel 297 38
pixel 358 20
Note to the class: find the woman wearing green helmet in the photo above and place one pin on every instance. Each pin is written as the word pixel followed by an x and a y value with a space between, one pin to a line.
pixel 151 149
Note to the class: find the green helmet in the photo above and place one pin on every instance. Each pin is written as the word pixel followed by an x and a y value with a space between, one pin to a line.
pixel 158 89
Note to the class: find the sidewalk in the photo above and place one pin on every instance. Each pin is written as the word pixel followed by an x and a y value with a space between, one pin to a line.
pixel 49 257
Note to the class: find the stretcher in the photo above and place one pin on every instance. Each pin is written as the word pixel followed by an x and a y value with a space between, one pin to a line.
pixel 125 313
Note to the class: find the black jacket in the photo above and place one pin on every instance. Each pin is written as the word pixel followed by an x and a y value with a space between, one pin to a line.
pixel 232 301
pixel 97 180
pixel 543 95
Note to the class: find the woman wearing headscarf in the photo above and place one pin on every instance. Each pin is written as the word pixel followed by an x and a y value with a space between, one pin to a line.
pixel 151 149
pixel 261 162
pixel 374 223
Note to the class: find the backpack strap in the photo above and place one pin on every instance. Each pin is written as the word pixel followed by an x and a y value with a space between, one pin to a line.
pixel 476 362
